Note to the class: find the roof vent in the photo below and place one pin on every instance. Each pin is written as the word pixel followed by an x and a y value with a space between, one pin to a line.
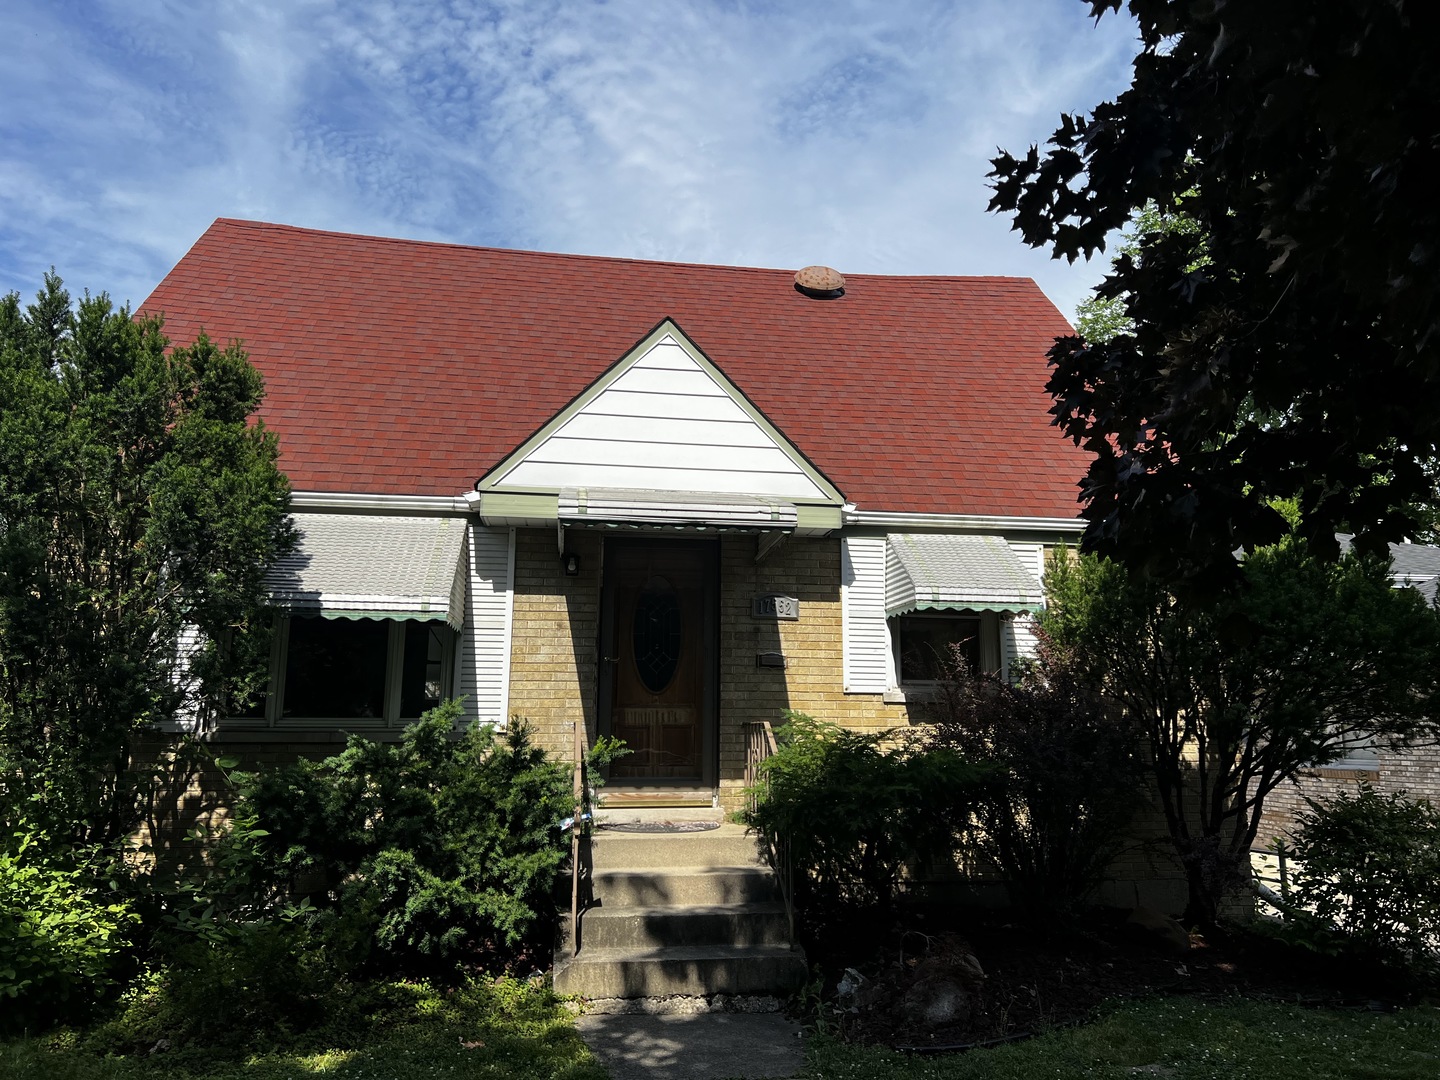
pixel 820 283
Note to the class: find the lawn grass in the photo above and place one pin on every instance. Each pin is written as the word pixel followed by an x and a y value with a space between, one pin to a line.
pixel 485 1031
pixel 520 1031
pixel 1178 1039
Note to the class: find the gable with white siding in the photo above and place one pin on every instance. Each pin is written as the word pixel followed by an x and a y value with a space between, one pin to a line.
pixel 663 419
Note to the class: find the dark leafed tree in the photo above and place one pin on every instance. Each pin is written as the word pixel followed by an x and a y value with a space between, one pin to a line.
pixel 1232 696
pixel 1291 345
pixel 139 510
pixel 1102 317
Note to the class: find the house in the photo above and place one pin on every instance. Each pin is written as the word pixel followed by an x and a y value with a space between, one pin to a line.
pixel 661 499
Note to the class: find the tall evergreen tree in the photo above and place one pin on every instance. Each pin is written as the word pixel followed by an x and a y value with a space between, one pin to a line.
pixel 140 507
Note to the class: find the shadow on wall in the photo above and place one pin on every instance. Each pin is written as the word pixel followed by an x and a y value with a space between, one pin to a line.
pixel 183 792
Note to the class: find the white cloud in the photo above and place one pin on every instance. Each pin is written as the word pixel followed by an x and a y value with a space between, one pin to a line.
pixel 850 133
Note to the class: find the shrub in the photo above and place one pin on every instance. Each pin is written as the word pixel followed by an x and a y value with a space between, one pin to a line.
pixel 247 987
pixel 60 940
pixel 1368 878
pixel 1065 777
pixel 448 846
pixel 857 808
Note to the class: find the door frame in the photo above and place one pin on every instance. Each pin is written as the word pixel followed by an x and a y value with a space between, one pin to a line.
pixel 710 660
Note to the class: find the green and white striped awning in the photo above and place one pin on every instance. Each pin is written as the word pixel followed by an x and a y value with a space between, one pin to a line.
pixel 361 566
pixel 927 572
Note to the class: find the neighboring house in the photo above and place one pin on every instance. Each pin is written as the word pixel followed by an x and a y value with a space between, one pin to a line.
pixel 660 499
pixel 1414 770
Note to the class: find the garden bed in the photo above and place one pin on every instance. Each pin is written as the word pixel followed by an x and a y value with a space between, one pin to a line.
pixel 954 977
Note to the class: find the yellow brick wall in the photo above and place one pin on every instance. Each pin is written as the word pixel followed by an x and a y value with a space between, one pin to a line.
pixel 553 657
pixel 1413 772
pixel 813 679
pixel 555 637
pixel 192 792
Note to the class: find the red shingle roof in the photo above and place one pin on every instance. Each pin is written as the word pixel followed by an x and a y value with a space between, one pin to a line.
pixel 398 367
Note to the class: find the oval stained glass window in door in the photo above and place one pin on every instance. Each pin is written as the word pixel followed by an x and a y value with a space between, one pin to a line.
pixel 657 634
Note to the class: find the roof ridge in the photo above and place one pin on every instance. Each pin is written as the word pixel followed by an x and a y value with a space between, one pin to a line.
pixel 248 223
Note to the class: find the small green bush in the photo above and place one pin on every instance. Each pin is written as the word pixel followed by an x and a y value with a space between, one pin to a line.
pixel 1368 878
pixel 448 847
pixel 265 986
pixel 1066 772
pixel 60 940
pixel 857 808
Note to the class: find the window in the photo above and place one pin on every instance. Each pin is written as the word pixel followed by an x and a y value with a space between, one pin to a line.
pixel 1360 753
pixel 359 673
pixel 923 642
pixel 926 644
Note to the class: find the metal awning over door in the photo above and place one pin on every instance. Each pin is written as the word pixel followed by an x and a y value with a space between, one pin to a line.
pixel 620 508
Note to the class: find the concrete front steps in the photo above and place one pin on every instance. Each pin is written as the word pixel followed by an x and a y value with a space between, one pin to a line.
pixel 691 914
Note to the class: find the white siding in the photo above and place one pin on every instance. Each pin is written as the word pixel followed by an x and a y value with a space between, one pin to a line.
pixel 664 424
pixel 1017 638
pixel 186 717
pixel 1032 557
pixel 866 648
pixel 485 641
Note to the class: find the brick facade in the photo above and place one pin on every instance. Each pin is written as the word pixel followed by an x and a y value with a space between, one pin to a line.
pixel 192 792
pixel 554 669
pixel 1415 772
pixel 555 637
pixel 554 653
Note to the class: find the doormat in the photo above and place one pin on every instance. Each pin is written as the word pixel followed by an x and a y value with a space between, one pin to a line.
pixel 661 826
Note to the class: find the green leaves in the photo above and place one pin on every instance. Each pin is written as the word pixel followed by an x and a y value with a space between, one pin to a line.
pixel 137 505
pixel 1368 878
pixel 447 847
pixel 856 808
pixel 1290 345
pixel 60 941
pixel 1237 692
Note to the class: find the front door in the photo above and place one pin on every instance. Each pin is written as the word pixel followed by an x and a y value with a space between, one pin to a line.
pixel 658 660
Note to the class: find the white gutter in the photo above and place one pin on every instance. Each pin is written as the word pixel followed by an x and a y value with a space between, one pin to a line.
pixel 884 519
pixel 382 504
pixel 878 519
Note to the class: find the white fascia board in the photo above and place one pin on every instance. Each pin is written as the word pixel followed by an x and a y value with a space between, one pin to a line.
pixel 902 522
pixel 379 504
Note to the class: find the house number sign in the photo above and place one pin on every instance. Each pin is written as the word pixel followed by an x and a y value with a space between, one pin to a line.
pixel 775 607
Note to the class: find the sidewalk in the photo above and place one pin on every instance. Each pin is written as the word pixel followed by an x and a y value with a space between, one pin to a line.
pixel 703 1046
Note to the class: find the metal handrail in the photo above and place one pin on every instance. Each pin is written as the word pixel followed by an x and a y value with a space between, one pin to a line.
pixel 576 825
pixel 760 745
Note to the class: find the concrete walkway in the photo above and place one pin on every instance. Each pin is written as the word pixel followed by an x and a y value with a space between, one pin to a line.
pixel 703 1046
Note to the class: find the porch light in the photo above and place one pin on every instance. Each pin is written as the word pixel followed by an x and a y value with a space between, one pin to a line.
pixel 571 562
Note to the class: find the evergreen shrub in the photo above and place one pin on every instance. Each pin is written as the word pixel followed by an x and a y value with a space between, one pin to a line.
pixel 446 847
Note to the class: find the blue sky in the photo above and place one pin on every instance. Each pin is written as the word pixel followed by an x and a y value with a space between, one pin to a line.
pixel 848 133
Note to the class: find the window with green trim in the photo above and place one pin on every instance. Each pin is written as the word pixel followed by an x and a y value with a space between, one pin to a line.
pixel 355 673
pixel 926 643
